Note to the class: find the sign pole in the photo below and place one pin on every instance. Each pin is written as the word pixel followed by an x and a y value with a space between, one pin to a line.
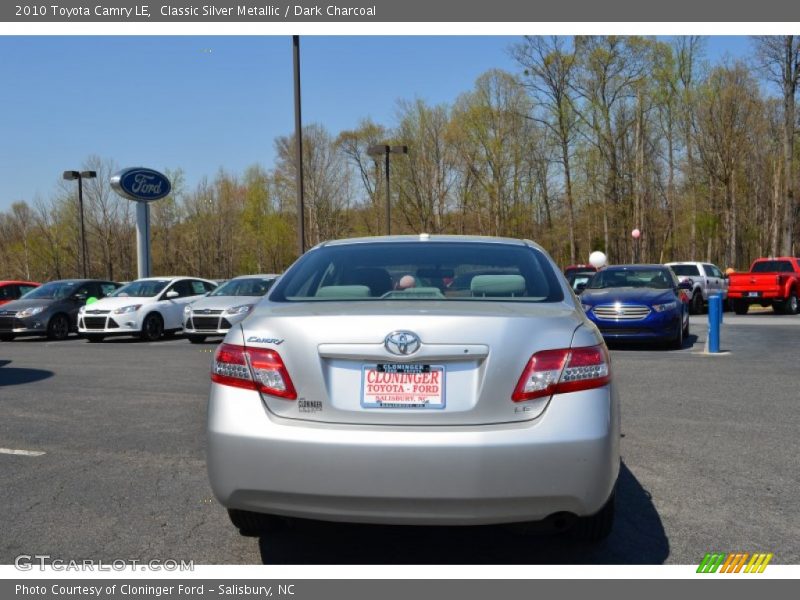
pixel 143 260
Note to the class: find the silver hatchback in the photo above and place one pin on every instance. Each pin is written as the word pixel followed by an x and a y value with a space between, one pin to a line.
pixel 425 380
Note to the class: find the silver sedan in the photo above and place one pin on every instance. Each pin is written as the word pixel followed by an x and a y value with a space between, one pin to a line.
pixel 230 303
pixel 426 380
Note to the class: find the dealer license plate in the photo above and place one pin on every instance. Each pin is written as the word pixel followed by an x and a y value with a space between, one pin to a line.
pixel 753 294
pixel 403 386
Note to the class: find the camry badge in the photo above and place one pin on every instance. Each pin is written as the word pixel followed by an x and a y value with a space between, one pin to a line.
pixel 402 343
pixel 264 340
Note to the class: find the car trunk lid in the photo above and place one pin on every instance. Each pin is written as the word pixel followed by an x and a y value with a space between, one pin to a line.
pixel 449 363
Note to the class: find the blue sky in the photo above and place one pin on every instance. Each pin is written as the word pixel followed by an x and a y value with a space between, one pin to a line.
pixel 205 103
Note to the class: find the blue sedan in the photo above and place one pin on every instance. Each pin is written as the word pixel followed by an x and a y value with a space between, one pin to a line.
pixel 637 303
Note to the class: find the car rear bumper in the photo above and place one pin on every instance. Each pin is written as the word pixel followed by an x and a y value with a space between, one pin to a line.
pixel 762 295
pixel 565 460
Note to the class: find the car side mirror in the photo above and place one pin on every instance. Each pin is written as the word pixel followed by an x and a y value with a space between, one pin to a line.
pixel 580 287
pixel 80 297
pixel 685 285
pixel 171 294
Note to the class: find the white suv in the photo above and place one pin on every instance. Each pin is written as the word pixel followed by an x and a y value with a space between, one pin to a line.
pixel 146 308
pixel 706 279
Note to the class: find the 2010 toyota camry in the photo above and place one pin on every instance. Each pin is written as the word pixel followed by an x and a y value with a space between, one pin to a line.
pixel 426 380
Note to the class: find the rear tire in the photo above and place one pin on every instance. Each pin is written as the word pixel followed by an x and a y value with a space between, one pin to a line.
pixel 6 337
pixel 790 307
pixel 597 527
pixel 252 524
pixel 93 338
pixel 58 327
pixel 196 339
pixel 696 305
pixel 740 307
pixel 152 328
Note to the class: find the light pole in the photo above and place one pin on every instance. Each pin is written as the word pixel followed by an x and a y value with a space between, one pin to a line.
pixel 298 146
pixel 80 176
pixel 385 150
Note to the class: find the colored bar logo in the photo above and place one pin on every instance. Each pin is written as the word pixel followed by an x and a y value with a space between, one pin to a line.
pixel 737 562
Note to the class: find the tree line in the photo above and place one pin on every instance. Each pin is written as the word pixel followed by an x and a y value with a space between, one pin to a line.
pixel 589 138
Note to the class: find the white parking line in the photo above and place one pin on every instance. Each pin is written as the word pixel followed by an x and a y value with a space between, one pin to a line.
pixel 21 452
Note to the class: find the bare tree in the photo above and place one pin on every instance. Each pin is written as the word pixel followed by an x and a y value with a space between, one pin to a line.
pixel 550 70
pixel 780 60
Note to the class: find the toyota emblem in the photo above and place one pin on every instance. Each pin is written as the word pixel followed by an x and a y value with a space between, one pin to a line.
pixel 402 343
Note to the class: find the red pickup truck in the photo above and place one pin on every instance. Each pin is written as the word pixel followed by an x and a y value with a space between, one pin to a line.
pixel 771 281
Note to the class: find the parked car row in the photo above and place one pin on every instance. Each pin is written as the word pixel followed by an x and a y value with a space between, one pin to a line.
pixel 653 302
pixel 147 308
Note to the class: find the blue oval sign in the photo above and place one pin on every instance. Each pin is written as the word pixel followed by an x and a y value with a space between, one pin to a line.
pixel 140 184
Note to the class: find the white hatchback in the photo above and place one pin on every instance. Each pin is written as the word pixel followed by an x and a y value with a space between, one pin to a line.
pixel 146 308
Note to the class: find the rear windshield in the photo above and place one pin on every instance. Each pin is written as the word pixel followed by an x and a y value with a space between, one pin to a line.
pixel 56 290
pixel 255 286
pixel 772 266
pixel 146 288
pixel 686 270
pixel 466 271
pixel 660 279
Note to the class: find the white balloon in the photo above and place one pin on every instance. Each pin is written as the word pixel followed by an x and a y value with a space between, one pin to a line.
pixel 598 259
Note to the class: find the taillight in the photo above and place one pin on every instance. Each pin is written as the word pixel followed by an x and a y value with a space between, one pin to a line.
pixel 253 369
pixel 560 371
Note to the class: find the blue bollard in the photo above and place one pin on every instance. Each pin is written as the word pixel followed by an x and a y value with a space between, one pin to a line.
pixel 714 322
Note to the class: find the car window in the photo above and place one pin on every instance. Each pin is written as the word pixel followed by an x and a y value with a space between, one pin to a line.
pixel 183 287
pixel 581 279
pixel 209 287
pixel 656 278
pixel 772 266
pixel 8 292
pixel 421 271
pixel 55 290
pixel 250 286
pixel 144 288
pixel 107 288
pixel 197 287
pixel 86 290
pixel 24 289
pixel 686 270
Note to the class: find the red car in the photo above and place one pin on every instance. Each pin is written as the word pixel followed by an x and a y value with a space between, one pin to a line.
pixel 11 290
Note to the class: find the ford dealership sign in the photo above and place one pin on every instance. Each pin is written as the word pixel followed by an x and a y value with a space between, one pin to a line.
pixel 140 184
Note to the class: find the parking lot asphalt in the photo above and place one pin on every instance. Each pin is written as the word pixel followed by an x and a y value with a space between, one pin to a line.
pixel 115 465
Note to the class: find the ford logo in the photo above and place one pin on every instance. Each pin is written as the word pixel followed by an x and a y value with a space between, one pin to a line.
pixel 402 343
pixel 140 184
